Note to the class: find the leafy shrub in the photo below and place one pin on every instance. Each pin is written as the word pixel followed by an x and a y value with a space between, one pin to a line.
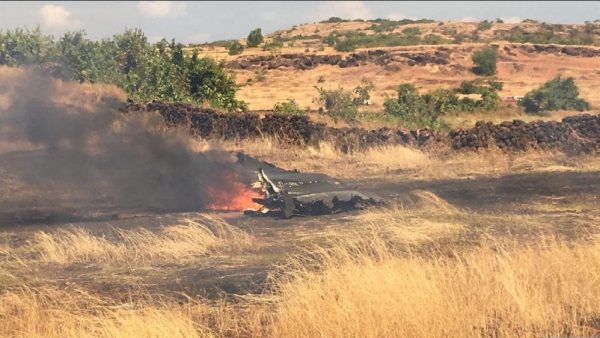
pixel 386 25
pixel 276 43
pixel 350 40
pixel 236 48
pixel 434 39
pixel 547 34
pixel 289 107
pixel 411 31
pixel 337 103
pixel 346 45
pixel 363 92
pixel 556 94
pixel 486 88
pixel 260 75
pixel 331 39
pixel 485 61
pixel 484 25
pixel 459 38
pixel 478 86
pixel 219 43
pixel 334 19
pixel 255 38
pixel 414 110
pixel 417 111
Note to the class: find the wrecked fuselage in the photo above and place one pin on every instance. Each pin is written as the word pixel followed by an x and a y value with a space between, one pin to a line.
pixel 296 194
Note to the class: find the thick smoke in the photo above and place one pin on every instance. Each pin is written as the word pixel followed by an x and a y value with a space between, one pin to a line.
pixel 101 158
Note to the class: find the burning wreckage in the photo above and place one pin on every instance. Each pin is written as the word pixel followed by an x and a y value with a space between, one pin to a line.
pixel 291 193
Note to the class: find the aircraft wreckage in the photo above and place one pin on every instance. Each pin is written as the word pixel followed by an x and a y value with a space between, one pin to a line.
pixel 292 193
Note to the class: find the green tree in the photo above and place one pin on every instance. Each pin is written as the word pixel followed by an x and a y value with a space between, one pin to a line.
pixel 485 61
pixel 26 47
pixel 556 94
pixel 177 56
pixel 210 82
pixel 337 103
pixel 146 72
pixel 131 47
pixel 155 77
pixel 236 48
pixel 255 38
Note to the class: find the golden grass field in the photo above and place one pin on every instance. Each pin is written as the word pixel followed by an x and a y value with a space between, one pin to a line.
pixel 424 269
pixel 472 244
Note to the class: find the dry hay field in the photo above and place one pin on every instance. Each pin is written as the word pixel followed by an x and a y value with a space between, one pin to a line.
pixel 471 244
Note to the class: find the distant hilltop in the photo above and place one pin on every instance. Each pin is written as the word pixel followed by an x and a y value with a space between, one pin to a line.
pixel 347 35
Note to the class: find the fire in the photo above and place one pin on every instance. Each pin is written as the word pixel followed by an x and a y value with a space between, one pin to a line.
pixel 232 196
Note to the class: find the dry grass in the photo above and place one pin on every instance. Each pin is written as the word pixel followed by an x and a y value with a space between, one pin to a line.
pixel 372 281
pixel 429 219
pixel 402 163
pixel 175 243
pixel 366 291
pixel 49 312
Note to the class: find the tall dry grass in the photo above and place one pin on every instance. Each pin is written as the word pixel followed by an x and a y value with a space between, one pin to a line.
pixel 175 243
pixel 364 290
pixel 402 163
pixel 50 312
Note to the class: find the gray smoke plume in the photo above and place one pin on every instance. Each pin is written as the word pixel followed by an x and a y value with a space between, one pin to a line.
pixel 101 158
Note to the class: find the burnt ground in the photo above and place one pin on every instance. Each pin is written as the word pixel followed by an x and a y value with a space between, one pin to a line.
pixel 503 193
pixel 570 201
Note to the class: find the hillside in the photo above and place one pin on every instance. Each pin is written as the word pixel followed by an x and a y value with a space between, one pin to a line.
pixel 290 63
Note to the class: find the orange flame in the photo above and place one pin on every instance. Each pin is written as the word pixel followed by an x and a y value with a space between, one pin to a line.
pixel 232 196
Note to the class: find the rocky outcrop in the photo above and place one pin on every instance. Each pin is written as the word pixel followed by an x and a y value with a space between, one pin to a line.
pixel 555 49
pixel 377 56
pixel 574 134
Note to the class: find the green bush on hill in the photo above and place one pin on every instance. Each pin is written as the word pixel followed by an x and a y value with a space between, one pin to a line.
pixel 485 61
pixel 556 94
pixel 337 103
pixel 255 38
pixel 362 92
pixel 334 19
pixel 484 25
pixel 288 107
pixel 235 48
pixel 417 111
